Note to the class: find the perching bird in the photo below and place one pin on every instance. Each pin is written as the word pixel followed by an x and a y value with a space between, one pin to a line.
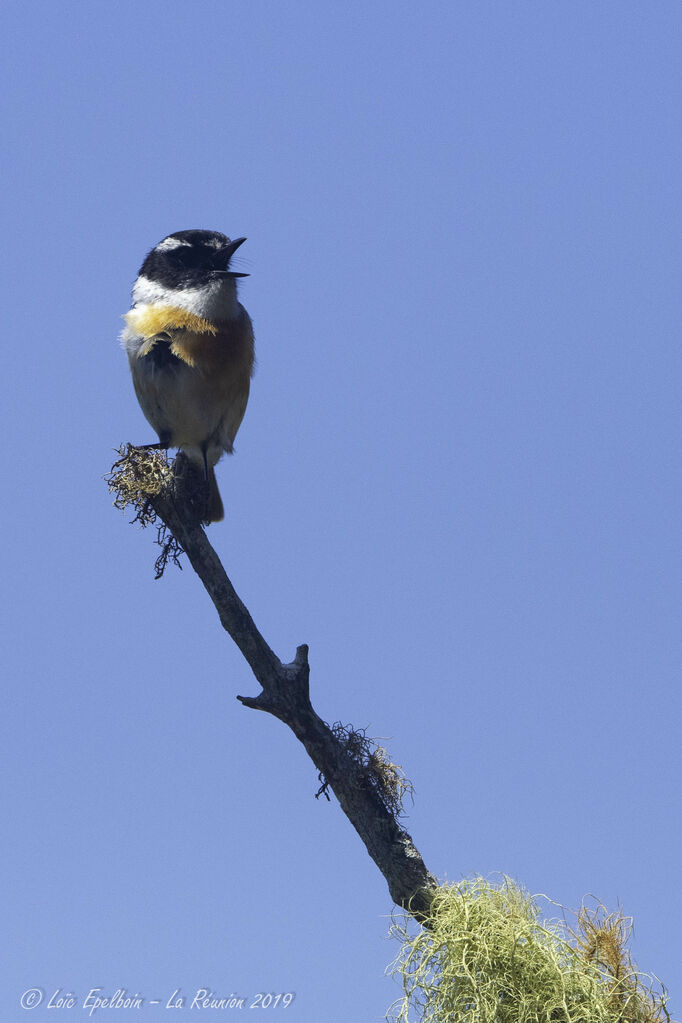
pixel 190 347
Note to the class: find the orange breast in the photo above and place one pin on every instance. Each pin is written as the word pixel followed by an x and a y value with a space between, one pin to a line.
pixel 147 320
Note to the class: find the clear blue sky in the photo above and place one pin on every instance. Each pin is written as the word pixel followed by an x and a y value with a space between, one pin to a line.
pixel 457 479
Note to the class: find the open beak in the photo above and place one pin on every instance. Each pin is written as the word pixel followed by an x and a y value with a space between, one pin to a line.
pixel 229 252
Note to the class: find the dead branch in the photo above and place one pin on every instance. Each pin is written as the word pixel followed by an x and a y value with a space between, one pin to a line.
pixel 368 787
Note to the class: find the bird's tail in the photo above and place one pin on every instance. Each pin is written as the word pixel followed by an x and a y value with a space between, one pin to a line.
pixel 214 504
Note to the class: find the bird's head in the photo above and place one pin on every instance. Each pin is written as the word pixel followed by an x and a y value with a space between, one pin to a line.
pixel 191 269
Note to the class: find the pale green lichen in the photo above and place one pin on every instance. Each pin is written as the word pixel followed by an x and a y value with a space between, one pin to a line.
pixel 484 955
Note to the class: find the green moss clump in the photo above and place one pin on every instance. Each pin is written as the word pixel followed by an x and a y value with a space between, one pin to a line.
pixel 484 956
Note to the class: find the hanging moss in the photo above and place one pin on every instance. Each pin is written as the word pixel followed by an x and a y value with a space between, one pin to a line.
pixel 485 956
pixel 138 476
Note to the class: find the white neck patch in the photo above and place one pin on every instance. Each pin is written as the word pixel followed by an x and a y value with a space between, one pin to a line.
pixel 215 300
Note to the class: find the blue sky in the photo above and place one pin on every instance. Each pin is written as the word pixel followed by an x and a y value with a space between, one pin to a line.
pixel 457 479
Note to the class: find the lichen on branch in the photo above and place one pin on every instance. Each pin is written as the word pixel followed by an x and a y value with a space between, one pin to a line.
pixel 485 955
pixel 140 475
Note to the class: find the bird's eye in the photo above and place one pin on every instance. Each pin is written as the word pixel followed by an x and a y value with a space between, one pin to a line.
pixel 188 257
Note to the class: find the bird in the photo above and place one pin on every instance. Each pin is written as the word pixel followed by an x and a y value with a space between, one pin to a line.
pixel 190 346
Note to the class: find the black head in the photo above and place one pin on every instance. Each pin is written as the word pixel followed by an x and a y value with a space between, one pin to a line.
pixel 188 259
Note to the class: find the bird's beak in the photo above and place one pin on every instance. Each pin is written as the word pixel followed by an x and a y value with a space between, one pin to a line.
pixel 228 252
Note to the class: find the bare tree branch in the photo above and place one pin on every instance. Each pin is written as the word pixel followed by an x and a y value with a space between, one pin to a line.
pixel 363 782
